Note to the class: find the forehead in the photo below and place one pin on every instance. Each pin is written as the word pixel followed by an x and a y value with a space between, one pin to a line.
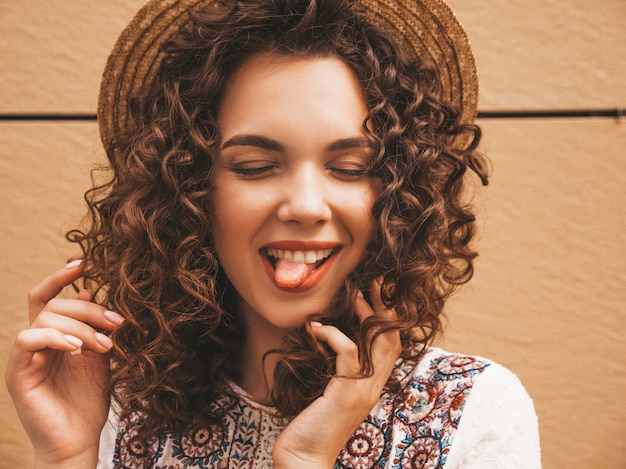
pixel 270 71
pixel 283 88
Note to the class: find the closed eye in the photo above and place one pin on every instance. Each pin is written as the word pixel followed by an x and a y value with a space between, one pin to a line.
pixel 253 170
pixel 350 172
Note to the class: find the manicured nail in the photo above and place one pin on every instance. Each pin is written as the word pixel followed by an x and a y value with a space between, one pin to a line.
pixel 104 340
pixel 315 324
pixel 113 317
pixel 74 264
pixel 74 341
pixel 360 294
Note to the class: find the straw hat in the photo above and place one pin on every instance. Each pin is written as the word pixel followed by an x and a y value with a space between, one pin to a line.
pixel 427 27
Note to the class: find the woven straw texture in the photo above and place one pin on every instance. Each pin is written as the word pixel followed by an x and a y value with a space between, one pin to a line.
pixel 426 28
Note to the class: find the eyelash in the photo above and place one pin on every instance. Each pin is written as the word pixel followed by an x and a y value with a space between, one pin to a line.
pixel 260 171
pixel 352 173
pixel 251 171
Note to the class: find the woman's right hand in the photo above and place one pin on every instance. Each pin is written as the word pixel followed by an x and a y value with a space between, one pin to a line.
pixel 58 370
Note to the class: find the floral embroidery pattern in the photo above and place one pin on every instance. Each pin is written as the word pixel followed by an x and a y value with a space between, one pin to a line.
pixel 417 424
pixel 413 428
pixel 134 452
pixel 368 445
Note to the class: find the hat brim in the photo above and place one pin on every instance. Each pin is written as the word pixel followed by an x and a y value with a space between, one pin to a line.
pixel 428 28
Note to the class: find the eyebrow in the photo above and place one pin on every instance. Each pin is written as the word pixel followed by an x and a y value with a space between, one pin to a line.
pixel 350 143
pixel 253 141
pixel 269 144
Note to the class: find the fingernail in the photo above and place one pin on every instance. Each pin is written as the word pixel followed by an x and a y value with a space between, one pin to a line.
pixel 360 294
pixel 113 317
pixel 74 264
pixel 104 340
pixel 315 324
pixel 74 341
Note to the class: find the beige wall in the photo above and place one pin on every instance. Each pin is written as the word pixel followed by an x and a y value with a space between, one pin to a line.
pixel 547 300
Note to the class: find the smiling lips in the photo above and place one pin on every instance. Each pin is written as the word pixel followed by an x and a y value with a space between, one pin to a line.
pixel 297 266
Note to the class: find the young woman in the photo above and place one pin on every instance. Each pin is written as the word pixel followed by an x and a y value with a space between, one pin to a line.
pixel 268 261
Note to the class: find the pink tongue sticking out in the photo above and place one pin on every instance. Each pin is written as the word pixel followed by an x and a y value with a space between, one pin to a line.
pixel 288 274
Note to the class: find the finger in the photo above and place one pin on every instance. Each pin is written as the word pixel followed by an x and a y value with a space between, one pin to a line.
pixel 51 286
pixel 347 361
pixel 387 346
pixel 30 341
pixel 84 295
pixel 364 309
pixel 375 288
pixel 83 311
pixel 92 339
pixel 35 340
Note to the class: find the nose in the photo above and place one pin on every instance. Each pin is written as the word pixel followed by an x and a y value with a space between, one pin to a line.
pixel 305 200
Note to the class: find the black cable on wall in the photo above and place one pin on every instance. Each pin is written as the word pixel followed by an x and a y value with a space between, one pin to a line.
pixel 511 114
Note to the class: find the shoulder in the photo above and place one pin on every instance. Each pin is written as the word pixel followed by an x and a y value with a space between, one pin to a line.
pixel 487 380
pixel 491 415
pixel 431 390
pixel 433 364
pixel 499 427
pixel 472 411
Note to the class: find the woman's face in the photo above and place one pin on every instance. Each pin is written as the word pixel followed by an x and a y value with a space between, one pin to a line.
pixel 293 205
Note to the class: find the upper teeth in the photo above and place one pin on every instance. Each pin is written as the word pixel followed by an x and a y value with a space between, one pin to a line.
pixel 301 257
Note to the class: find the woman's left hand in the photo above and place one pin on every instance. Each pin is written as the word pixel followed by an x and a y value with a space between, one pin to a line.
pixel 316 436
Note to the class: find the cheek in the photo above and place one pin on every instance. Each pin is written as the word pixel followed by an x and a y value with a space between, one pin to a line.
pixel 237 199
pixel 227 226
pixel 361 213
pixel 234 209
pixel 239 215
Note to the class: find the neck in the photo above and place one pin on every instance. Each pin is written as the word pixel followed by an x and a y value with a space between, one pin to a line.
pixel 257 368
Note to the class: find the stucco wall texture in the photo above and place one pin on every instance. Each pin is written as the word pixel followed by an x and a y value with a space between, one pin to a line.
pixel 548 296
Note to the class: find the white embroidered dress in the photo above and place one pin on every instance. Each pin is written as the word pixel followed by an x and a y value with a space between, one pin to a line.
pixel 453 411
